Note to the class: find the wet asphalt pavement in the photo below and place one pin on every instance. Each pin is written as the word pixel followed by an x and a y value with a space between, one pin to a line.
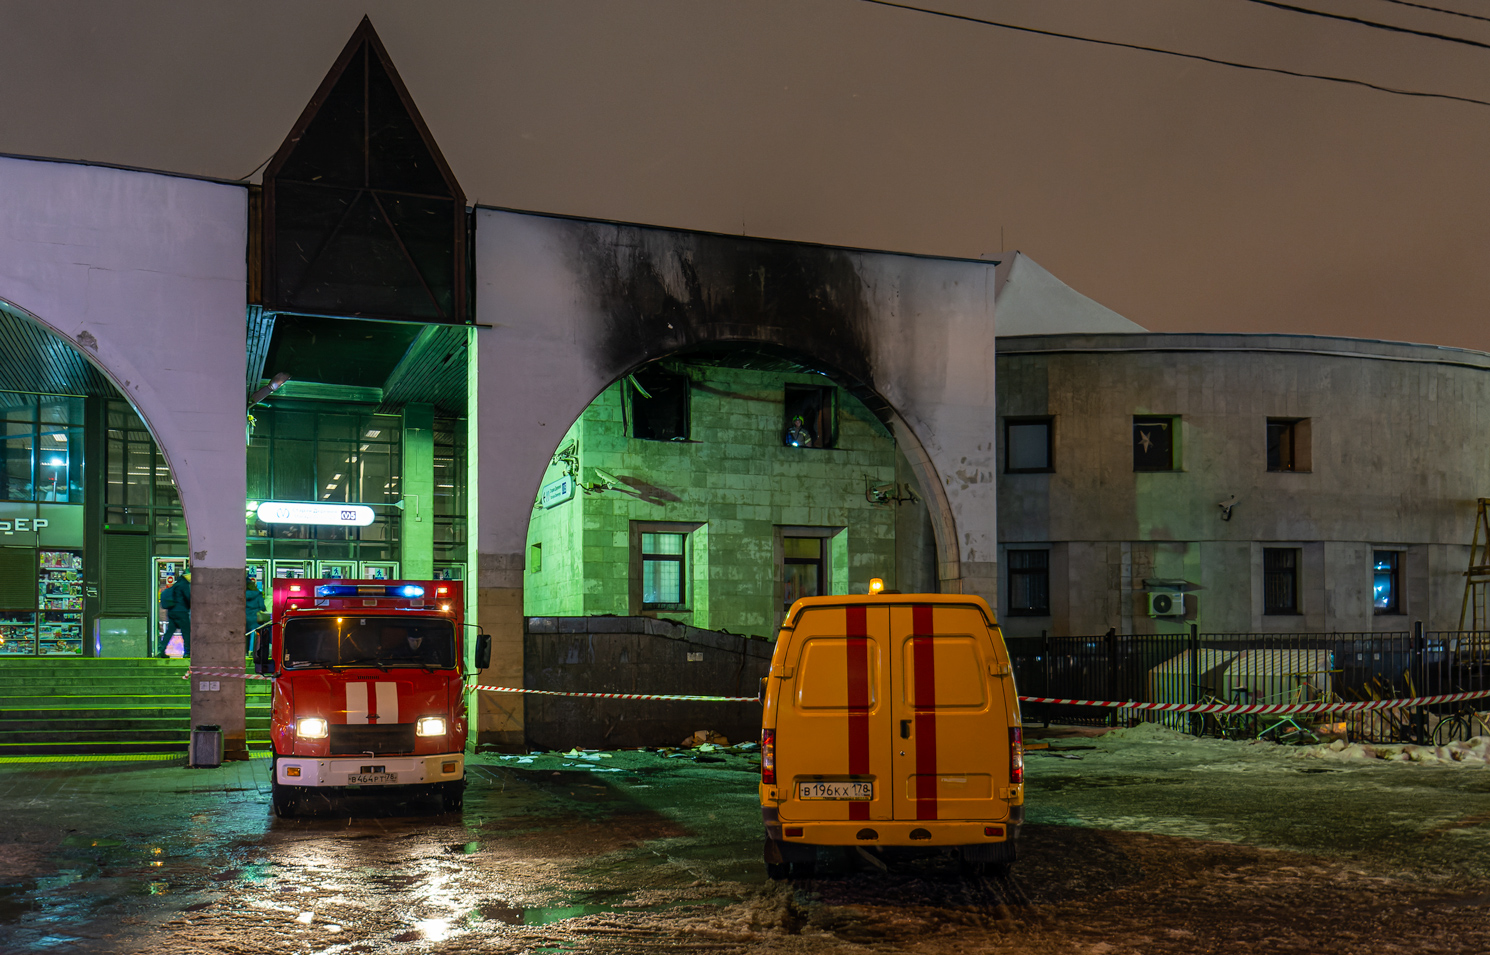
pixel 1135 845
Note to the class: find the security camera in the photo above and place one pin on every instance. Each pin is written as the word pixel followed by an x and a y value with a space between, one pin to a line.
pixel 1226 507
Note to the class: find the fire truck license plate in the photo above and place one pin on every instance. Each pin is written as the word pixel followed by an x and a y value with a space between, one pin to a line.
pixel 835 790
pixel 371 779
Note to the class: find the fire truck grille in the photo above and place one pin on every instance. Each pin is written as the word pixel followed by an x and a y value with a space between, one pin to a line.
pixel 353 738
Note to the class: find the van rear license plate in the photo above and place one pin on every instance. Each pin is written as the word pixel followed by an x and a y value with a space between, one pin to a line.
pixel 835 789
pixel 371 779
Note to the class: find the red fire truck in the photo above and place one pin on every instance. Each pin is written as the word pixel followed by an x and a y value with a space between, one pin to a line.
pixel 369 687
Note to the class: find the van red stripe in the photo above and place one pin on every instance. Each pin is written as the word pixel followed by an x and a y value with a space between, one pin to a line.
pixel 923 650
pixel 858 701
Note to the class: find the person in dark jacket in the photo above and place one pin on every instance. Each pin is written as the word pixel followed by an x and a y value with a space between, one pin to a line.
pixel 253 605
pixel 175 600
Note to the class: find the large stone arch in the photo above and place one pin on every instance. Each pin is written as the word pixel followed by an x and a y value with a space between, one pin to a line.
pixel 145 275
pixel 575 304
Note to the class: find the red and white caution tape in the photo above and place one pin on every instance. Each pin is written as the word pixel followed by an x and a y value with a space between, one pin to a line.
pixel 222 672
pixel 622 696
pixel 1340 706
pixel 1336 707
pixel 1275 708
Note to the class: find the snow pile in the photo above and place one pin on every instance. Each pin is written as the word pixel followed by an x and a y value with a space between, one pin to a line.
pixel 1471 752
pixel 1148 733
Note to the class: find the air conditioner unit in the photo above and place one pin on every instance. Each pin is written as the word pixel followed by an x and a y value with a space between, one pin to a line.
pixel 1166 603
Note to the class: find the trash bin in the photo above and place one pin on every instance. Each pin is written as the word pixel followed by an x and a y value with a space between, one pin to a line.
pixel 206 746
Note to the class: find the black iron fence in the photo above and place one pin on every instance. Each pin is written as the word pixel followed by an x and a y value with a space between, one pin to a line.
pixel 1253 668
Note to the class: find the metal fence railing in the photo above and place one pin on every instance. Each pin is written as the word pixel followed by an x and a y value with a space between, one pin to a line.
pixel 1253 668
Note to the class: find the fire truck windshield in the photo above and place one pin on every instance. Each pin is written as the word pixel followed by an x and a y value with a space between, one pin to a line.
pixel 383 642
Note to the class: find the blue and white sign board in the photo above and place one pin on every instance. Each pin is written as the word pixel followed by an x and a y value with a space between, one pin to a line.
pixel 557 492
pixel 348 515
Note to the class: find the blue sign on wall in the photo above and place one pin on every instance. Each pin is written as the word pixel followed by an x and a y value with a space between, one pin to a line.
pixel 557 492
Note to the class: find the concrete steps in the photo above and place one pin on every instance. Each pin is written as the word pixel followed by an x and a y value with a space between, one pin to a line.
pixel 80 705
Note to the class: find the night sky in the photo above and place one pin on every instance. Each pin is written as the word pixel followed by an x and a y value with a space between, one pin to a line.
pixel 1185 195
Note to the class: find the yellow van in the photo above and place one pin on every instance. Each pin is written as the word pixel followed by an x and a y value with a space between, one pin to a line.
pixel 891 720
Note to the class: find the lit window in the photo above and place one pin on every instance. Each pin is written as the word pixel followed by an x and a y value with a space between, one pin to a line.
pixel 1385 589
pixel 1029 583
pixel 1280 580
pixel 663 560
pixel 803 569
pixel 810 421
pixel 36 435
pixel 1153 444
pixel 1027 444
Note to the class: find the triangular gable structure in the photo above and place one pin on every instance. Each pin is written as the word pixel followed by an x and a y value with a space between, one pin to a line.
pixel 362 216
pixel 1028 300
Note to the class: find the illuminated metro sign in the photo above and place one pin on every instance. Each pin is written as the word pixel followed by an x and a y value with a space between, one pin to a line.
pixel 557 492
pixel 282 512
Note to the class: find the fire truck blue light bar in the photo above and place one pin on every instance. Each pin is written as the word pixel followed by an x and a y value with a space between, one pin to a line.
pixel 363 590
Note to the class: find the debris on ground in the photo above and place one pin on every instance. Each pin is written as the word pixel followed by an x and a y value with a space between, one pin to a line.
pixel 586 754
pixel 1470 752
pixel 703 737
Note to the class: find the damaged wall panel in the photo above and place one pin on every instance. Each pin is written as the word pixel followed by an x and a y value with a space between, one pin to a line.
pixel 637 655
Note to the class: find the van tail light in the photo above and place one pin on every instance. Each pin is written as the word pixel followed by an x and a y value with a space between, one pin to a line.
pixel 768 757
pixel 1016 755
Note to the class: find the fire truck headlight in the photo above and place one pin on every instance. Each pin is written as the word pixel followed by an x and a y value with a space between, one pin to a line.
pixel 311 727
pixel 431 726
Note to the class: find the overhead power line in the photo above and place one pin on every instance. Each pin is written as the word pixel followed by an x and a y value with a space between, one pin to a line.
pixel 1184 56
pixel 1371 23
pixel 1452 13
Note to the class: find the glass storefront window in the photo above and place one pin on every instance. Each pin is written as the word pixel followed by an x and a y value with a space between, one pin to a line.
pixel 20 456
pixel 41 448
pixel 450 489
pixel 350 456
pixel 138 487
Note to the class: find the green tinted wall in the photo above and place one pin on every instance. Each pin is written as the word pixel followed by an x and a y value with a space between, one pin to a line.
pixel 733 485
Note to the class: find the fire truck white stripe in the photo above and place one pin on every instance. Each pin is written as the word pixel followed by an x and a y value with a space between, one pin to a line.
pixel 357 702
pixel 387 703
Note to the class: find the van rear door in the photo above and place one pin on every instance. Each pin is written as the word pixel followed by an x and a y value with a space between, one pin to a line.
pixel 951 736
pixel 833 716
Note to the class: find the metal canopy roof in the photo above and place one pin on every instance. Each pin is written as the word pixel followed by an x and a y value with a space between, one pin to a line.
pixel 35 359
pixel 391 364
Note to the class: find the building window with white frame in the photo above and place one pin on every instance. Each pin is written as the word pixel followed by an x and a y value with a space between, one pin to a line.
pixel 664 565
pixel 804 568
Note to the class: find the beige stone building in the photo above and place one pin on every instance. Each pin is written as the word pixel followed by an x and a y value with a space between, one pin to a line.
pixel 1243 483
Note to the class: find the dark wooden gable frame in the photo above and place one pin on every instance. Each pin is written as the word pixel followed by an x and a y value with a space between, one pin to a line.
pixel 367 223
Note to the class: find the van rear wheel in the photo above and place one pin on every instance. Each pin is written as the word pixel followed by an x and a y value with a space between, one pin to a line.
pixel 776 871
pixel 979 870
pixel 992 858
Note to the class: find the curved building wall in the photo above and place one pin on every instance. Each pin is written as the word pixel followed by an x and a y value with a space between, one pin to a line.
pixel 1389 457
